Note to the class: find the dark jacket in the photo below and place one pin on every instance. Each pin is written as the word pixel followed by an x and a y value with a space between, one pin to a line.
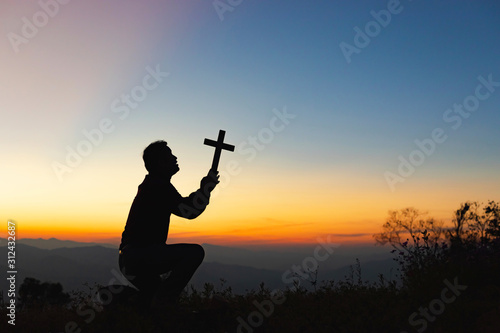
pixel 149 217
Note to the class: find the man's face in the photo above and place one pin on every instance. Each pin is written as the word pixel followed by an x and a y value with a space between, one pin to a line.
pixel 168 163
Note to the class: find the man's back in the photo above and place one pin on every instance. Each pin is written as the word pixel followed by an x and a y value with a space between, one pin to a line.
pixel 149 217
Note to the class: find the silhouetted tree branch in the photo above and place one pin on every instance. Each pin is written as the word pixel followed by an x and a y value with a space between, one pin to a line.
pixel 407 227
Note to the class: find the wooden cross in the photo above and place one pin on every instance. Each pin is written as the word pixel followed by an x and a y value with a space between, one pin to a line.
pixel 219 145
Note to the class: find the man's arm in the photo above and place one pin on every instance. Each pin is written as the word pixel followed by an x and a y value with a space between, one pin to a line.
pixel 193 205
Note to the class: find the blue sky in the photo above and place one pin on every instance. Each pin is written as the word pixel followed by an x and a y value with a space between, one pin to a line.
pixel 352 120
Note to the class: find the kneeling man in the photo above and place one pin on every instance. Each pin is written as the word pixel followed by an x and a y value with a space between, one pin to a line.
pixel 144 254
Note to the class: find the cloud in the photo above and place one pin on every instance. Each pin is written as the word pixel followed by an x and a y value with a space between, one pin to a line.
pixel 352 235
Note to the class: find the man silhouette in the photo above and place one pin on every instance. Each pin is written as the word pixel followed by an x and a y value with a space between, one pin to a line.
pixel 144 254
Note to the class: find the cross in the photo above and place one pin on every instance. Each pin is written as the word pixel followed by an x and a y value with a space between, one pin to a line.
pixel 219 145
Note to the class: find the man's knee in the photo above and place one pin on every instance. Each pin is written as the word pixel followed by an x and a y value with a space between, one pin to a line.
pixel 146 282
pixel 198 252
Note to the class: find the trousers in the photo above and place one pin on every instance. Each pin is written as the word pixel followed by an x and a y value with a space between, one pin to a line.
pixel 143 265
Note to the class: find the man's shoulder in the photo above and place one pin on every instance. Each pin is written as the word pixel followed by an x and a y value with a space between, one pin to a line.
pixel 156 184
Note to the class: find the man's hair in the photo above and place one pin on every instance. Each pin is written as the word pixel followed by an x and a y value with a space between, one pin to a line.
pixel 152 154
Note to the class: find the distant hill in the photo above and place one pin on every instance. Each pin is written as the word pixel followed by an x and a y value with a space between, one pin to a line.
pixel 72 267
pixel 54 243
pixel 243 269
pixel 283 258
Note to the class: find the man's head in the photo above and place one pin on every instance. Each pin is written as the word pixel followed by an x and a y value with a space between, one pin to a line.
pixel 159 160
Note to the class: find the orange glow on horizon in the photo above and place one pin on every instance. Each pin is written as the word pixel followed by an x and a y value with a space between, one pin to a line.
pixel 232 238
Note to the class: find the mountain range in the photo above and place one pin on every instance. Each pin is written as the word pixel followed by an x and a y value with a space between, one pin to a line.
pixel 74 263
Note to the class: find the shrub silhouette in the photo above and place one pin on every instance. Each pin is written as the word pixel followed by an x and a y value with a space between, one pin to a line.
pixel 428 252
pixel 32 293
pixel 468 250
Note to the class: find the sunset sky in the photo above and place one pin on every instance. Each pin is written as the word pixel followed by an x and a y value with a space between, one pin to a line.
pixel 324 101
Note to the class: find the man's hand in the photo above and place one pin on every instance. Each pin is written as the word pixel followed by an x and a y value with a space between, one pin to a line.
pixel 209 182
